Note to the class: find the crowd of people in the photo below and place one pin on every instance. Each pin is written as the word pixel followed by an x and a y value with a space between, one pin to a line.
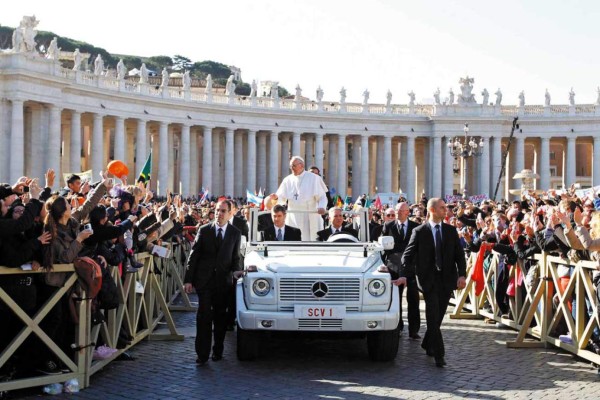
pixel 111 222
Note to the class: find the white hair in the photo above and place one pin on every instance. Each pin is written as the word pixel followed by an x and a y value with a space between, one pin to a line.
pixel 296 158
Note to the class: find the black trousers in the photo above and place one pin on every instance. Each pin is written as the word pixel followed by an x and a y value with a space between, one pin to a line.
pixel 212 310
pixel 436 303
pixel 412 299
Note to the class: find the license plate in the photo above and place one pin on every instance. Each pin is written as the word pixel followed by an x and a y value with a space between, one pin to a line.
pixel 319 312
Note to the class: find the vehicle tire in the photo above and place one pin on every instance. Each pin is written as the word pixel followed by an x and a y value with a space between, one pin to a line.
pixel 383 345
pixel 247 344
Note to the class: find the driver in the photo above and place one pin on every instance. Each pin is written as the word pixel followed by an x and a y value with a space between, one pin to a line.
pixel 336 225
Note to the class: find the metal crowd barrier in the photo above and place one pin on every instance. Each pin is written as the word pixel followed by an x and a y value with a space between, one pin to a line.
pixel 534 312
pixel 139 314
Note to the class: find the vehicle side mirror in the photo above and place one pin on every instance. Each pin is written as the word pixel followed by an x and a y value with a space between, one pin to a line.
pixel 387 242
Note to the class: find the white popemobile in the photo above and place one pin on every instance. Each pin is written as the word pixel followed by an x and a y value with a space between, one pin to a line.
pixel 341 285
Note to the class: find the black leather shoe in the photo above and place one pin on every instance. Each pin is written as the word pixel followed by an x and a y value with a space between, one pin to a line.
pixel 217 357
pixel 414 336
pixel 440 362
pixel 430 353
pixel 201 362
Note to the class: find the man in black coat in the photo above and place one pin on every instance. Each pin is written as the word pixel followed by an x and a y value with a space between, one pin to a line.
pixel 212 264
pixel 279 230
pixel 435 257
pixel 336 219
pixel 401 230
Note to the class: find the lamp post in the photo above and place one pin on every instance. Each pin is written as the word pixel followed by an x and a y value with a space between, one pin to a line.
pixel 465 149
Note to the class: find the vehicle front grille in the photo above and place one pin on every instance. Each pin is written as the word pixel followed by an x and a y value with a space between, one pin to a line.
pixel 301 289
pixel 321 324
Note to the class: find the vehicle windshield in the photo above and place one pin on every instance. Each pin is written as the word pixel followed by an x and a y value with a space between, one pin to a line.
pixel 353 227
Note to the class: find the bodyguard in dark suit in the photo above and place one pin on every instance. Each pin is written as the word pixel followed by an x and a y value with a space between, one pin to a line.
pixel 279 230
pixel 336 219
pixel 400 230
pixel 211 266
pixel 242 226
pixel 435 257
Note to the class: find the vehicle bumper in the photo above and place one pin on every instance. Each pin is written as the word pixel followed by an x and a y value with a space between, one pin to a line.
pixel 286 321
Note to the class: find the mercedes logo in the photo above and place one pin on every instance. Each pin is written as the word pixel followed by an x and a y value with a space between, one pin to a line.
pixel 319 289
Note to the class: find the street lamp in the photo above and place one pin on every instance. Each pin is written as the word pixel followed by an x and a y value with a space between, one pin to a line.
pixel 464 149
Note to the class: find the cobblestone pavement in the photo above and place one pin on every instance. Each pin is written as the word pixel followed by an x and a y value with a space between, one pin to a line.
pixel 480 366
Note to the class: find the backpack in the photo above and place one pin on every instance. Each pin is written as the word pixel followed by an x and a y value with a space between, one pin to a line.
pixel 89 274
pixel 108 297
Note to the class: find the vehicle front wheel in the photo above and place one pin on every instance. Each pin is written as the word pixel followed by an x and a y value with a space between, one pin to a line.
pixel 383 345
pixel 247 344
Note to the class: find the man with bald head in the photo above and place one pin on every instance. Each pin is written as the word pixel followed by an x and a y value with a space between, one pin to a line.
pixel 400 229
pixel 435 257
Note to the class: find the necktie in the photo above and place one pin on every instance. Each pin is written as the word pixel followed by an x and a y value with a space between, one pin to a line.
pixel 401 232
pixel 337 231
pixel 279 236
pixel 438 248
pixel 219 237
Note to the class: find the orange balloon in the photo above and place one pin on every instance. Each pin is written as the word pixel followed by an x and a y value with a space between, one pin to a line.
pixel 118 168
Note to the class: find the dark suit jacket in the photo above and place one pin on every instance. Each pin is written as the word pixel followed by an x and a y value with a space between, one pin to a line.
pixel 209 268
pixel 419 257
pixel 393 257
pixel 264 221
pixel 241 225
pixel 324 234
pixel 290 234
pixel 375 231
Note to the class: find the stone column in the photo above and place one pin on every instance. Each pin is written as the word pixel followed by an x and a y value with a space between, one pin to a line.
pixel 448 172
pixel 207 158
pixel 194 168
pixel 387 164
pixel 75 158
pixel 379 181
pixel 342 167
pixel 119 145
pixel 295 144
pixel 484 169
pixel 497 166
pixel 54 142
pixel 356 169
pixel 595 162
pixel 261 155
pixel 436 173
pixel 544 182
pixel 273 183
pixel 318 150
pixel 185 165
pixel 163 159
pixel 308 150
pixel 364 164
pixel 229 161
pixel 141 153
pixel 395 165
pixel 97 146
pixel 332 163
pixel 285 155
pixel 570 159
pixel 410 170
pixel 519 154
pixel 217 176
pixel 17 147
pixel 238 149
pixel 251 161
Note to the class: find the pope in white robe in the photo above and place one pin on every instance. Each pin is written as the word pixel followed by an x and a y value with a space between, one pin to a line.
pixel 303 191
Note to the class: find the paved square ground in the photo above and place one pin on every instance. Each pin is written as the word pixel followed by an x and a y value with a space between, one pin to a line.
pixel 480 366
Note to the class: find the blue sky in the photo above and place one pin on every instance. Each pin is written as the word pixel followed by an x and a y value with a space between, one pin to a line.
pixel 376 45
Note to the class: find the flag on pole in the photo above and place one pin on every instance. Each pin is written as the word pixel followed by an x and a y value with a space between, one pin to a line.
pixel 338 201
pixel 347 201
pixel 378 203
pixel 205 195
pixel 368 202
pixel 253 198
pixel 145 173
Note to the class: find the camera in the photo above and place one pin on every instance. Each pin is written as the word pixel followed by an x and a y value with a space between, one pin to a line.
pixel 25 189
pixel 87 227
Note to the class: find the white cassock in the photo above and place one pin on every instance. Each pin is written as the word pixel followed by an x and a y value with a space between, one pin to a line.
pixel 305 192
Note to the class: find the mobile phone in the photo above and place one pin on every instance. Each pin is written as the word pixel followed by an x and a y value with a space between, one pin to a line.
pixel 87 227
pixel 110 181
pixel 25 189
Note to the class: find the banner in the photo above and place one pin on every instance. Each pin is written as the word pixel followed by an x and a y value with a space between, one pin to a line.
pixel 388 198
pixel 478 198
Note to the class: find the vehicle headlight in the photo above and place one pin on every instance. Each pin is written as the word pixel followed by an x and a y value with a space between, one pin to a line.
pixel 376 287
pixel 261 287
